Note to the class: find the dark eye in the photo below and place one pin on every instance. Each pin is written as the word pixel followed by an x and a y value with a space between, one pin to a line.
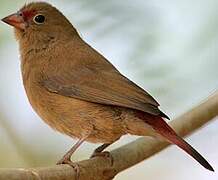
pixel 39 19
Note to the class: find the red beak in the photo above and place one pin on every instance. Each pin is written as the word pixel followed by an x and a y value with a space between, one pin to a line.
pixel 16 20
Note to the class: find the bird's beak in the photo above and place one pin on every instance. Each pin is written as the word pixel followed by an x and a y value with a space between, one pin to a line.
pixel 15 20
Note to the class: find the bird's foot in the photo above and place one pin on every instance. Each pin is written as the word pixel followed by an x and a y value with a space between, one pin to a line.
pixel 75 166
pixel 104 154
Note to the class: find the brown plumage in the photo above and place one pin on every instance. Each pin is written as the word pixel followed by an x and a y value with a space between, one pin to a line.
pixel 77 91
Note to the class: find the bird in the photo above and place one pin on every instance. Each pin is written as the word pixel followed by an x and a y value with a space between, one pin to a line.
pixel 77 91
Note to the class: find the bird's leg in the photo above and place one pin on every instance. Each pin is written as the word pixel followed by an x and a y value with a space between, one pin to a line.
pixel 98 152
pixel 66 159
pixel 100 149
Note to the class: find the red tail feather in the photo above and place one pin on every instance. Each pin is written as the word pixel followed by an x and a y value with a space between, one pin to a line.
pixel 162 128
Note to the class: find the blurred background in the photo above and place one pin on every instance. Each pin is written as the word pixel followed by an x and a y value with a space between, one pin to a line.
pixel 170 48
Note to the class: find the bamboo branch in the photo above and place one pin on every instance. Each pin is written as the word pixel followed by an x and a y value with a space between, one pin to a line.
pixel 124 157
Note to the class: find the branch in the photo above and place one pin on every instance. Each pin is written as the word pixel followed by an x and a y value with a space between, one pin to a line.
pixel 124 157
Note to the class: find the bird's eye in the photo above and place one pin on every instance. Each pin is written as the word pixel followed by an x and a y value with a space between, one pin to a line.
pixel 39 19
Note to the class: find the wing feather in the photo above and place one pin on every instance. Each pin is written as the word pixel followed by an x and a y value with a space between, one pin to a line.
pixel 90 77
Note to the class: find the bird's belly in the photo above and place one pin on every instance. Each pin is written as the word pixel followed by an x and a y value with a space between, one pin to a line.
pixel 77 118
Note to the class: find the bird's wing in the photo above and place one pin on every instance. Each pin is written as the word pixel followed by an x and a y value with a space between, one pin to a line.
pixel 99 81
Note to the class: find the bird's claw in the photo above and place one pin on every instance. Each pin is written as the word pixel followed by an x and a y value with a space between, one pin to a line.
pixel 75 166
pixel 104 154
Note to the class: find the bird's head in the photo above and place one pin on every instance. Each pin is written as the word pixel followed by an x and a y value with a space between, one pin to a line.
pixel 38 20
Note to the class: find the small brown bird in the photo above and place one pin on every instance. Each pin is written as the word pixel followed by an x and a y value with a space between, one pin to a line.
pixel 76 91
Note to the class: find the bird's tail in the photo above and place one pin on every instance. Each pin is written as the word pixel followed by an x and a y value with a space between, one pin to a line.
pixel 162 128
